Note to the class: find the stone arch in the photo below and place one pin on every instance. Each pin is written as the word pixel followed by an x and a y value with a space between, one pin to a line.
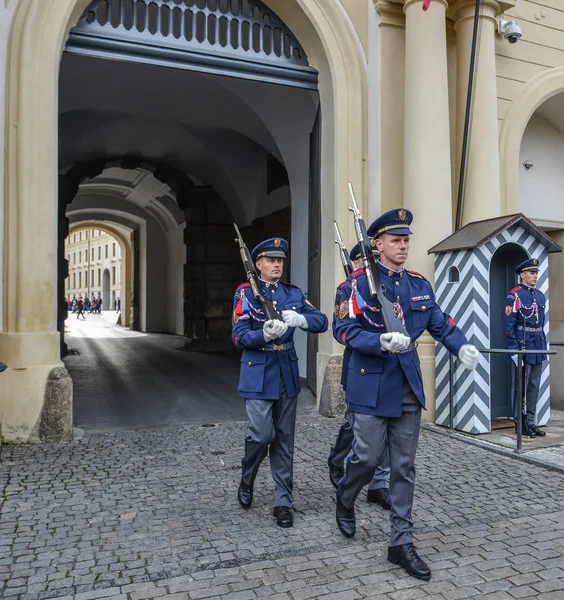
pixel 29 338
pixel 126 262
pixel 537 91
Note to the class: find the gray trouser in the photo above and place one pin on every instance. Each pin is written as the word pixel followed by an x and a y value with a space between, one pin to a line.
pixel 372 436
pixel 531 389
pixel 272 424
pixel 342 448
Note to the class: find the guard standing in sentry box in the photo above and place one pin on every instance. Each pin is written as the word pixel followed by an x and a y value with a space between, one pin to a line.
pixel 266 313
pixel 384 382
pixel 523 326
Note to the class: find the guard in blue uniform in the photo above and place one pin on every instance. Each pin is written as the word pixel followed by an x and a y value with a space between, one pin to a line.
pixel 385 384
pixel 523 324
pixel 270 380
pixel 378 492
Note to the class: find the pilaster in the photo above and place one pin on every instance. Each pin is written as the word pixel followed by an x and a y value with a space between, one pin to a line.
pixel 482 197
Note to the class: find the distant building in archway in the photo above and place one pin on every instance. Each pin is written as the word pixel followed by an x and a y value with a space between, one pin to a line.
pixel 91 252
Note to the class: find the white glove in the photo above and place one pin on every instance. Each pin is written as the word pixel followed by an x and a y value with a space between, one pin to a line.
pixel 274 329
pixel 394 342
pixel 294 319
pixel 468 356
pixel 514 359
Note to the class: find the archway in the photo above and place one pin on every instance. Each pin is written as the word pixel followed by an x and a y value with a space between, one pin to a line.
pixel 29 340
pixel 535 92
pixel 126 251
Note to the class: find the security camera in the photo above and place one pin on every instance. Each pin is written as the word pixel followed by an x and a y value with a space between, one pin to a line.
pixel 528 165
pixel 510 30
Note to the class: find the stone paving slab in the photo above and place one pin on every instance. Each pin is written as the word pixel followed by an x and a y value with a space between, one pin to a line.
pixel 147 514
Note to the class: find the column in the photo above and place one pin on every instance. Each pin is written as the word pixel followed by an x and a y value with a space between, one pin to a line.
pixel 391 115
pixel 427 166
pixel 482 197
pixel 427 163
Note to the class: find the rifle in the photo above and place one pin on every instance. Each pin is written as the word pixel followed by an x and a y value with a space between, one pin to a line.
pixel 267 305
pixel 525 429
pixel 345 258
pixel 375 287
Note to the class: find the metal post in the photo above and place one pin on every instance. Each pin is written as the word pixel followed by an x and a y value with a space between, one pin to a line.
pixel 520 388
pixel 519 406
pixel 451 390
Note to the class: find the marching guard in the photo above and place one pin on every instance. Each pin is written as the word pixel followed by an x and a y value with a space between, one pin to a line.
pixel 378 492
pixel 384 382
pixel 523 324
pixel 269 379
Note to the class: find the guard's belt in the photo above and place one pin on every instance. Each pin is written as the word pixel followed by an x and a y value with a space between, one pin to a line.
pixel 529 329
pixel 277 347
pixel 410 348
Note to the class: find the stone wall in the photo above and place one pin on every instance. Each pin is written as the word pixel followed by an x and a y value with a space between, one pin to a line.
pixel 213 267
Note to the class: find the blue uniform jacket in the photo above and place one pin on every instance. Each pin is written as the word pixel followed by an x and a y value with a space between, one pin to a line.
pixel 375 378
pixel 347 353
pixel 261 369
pixel 524 319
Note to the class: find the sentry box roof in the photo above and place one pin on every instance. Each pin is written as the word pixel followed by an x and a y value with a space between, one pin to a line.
pixel 476 234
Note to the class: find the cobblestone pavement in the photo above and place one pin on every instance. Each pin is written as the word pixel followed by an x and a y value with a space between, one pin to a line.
pixel 144 514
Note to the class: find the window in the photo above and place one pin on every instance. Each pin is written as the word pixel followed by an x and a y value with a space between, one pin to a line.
pixel 99 276
pixel 79 256
pixel 80 236
pixel 74 280
pixel 74 258
pixel 92 278
pixel 106 251
pixel 79 279
pixel 113 275
pixel 86 278
pixel 92 254
pixel 453 275
pixel 74 238
pixel 114 249
pixel 99 253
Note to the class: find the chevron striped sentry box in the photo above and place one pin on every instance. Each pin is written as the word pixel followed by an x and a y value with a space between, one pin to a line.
pixel 468 254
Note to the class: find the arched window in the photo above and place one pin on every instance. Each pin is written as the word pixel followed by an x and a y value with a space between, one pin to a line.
pixel 453 275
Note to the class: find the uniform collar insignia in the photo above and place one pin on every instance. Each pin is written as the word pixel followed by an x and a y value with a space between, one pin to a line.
pixel 267 284
pixel 389 272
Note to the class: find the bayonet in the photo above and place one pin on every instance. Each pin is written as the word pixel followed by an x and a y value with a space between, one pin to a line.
pixel 343 253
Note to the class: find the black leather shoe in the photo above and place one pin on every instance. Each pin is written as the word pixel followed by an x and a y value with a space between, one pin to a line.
pixel 380 496
pixel 346 521
pixel 335 473
pixel 245 495
pixel 406 556
pixel 284 516
pixel 538 431
pixel 527 432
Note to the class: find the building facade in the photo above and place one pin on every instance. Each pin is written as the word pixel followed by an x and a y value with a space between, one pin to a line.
pixel 94 265
pixel 260 115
